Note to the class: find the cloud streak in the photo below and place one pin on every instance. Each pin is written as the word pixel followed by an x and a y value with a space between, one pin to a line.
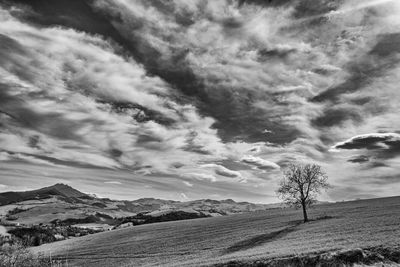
pixel 381 145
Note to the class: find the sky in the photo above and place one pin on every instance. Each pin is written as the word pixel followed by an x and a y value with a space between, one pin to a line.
pixel 190 99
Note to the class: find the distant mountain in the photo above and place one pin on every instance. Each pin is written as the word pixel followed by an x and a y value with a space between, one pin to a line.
pixel 61 190
pixel 65 205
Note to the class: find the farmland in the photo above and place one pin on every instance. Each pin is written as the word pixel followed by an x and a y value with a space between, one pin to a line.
pixel 245 237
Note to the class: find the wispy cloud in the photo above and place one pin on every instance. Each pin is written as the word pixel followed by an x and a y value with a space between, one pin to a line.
pixel 187 183
pixel 259 162
pixel 113 182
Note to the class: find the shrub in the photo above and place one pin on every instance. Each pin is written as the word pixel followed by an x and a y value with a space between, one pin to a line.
pixel 16 255
pixel 34 236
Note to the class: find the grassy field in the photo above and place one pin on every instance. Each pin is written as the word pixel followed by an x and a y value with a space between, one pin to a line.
pixel 246 237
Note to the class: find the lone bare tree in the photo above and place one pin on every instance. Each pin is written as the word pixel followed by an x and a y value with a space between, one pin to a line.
pixel 301 184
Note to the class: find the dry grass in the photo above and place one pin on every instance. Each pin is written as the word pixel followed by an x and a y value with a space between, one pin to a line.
pixel 245 237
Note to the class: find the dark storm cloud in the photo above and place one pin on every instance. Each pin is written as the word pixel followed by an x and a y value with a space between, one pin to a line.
pixel 388 45
pixel 116 153
pixel 81 16
pixel 280 54
pixel 34 141
pixel 236 117
pixel 359 159
pixel 240 121
pixel 233 109
pixel 303 9
pixel 268 3
pixel 371 141
pixel 76 14
pixel 139 113
pixel 313 9
pixel 385 145
pixel 334 116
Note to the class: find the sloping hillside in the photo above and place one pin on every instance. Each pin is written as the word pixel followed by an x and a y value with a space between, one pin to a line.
pixel 347 230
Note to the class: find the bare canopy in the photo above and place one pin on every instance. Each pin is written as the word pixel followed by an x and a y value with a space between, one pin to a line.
pixel 301 184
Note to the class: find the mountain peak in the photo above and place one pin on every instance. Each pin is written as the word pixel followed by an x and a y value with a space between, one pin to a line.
pixel 61 186
pixel 58 185
pixel 58 189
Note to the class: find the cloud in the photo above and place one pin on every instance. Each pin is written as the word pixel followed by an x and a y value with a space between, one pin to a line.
pixel 200 176
pixel 89 103
pixel 221 170
pixel 164 88
pixel 187 183
pixel 387 144
pixel 260 163
pixel 228 75
pixel 113 182
pixel 380 151
pixel 359 159
pixel 358 5
pixel 184 196
pixel 4 156
pixel 337 116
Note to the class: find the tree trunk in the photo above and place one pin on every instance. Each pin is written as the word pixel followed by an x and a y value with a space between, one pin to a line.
pixel 303 204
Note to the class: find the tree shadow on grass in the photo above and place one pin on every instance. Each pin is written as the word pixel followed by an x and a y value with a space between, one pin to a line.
pixel 272 236
pixel 324 217
pixel 262 239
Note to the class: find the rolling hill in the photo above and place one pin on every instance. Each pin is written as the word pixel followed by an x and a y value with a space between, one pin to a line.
pixel 364 231
pixel 60 190
pixel 65 205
